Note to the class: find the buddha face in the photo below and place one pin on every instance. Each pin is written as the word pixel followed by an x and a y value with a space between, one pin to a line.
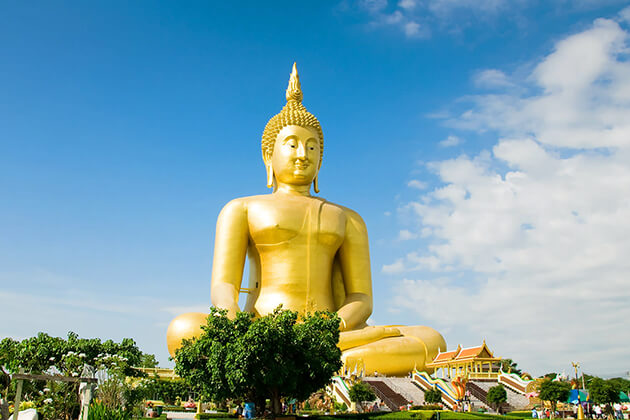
pixel 296 155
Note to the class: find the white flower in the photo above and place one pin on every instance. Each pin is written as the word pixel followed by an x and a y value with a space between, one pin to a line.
pixel 46 389
pixel 75 374
pixel 52 359
pixel 47 400
pixel 82 355
pixel 40 393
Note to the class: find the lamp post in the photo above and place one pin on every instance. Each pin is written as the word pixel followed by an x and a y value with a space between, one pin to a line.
pixel 580 410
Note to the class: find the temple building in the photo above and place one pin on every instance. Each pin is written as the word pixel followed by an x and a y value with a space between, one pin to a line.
pixel 471 362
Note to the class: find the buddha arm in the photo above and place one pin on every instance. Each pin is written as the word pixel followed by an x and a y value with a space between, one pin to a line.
pixel 354 256
pixel 230 250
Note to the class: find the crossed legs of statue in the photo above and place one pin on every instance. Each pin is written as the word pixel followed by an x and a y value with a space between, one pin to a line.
pixel 391 350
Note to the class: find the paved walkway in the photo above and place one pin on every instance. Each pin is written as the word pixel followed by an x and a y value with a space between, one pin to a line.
pixel 180 415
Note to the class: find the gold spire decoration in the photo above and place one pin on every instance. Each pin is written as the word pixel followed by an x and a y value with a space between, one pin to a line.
pixel 294 90
pixel 293 113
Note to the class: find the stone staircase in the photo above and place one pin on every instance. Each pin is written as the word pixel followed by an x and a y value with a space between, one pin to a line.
pixel 515 400
pixel 391 398
pixel 478 395
pixel 406 388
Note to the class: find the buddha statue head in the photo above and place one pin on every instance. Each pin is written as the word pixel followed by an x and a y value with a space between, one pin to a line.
pixel 293 142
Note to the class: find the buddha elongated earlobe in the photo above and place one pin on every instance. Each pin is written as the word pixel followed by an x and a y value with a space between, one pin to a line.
pixel 269 175
pixel 315 185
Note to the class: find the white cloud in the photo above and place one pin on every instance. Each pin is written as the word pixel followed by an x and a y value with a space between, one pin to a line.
pixel 407 4
pixel 413 17
pixel 412 29
pixel 418 19
pixel 401 17
pixel 395 268
pixel 373 6
pixel 450 141
pixel 414 183
pixel 405 235
pixel 393 18
pixel 529 241
pixel 445 7
pixel 491 78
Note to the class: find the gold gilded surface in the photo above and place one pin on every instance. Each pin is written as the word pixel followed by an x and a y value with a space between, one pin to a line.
pixel 187 325
pixel 305 253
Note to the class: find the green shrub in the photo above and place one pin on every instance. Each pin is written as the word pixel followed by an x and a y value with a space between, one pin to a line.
pixel 520 414
pixel 433 396
pixel 340 407
pixel 360 392
pixel 178 408
pixel 426 407
pixel 206 416
pixel 100 411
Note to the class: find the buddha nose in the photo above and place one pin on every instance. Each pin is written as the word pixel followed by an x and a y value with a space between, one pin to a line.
pixel 301 151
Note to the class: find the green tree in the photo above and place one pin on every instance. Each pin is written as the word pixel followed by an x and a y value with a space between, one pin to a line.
pixel 433 396
pixel 620 383
pixel 68 356
pixel 275 356
pixel 167 390
pixel 360 392
pixel 148 361
pixel 510 366
pixel 496 396
pixel 603 392
pixel 554 391
pixel 8 351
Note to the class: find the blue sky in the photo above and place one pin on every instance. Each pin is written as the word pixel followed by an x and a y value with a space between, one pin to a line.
pixel 485 143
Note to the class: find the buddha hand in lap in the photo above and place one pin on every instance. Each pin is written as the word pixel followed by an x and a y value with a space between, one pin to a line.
pixel 304 253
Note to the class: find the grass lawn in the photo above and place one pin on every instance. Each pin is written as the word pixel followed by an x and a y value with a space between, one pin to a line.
pixel 421 415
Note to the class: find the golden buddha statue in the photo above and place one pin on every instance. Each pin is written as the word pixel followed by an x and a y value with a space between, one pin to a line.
pixel 304 253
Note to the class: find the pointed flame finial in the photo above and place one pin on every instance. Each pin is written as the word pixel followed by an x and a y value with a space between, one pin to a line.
pixel 294 90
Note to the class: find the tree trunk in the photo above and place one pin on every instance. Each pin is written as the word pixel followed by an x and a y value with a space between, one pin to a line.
pixel 4 409
pixel 260 402
pixel 276 405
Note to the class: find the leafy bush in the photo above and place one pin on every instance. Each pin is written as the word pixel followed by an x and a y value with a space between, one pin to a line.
pixel 340 406
pixel 519 414
pixel 554 391
pixel 99 411
pixel 178 409
pixel 426 407
pixel 497 396
pixel 167 390
pixel 433 396
pixel 282 354
pixel 360 392
pixel 206 416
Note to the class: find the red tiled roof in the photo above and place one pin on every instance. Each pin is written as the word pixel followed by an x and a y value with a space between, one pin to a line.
pixel 471 352
pixel 445 356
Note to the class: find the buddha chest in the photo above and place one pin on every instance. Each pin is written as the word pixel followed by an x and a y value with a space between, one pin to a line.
pixel 296 221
